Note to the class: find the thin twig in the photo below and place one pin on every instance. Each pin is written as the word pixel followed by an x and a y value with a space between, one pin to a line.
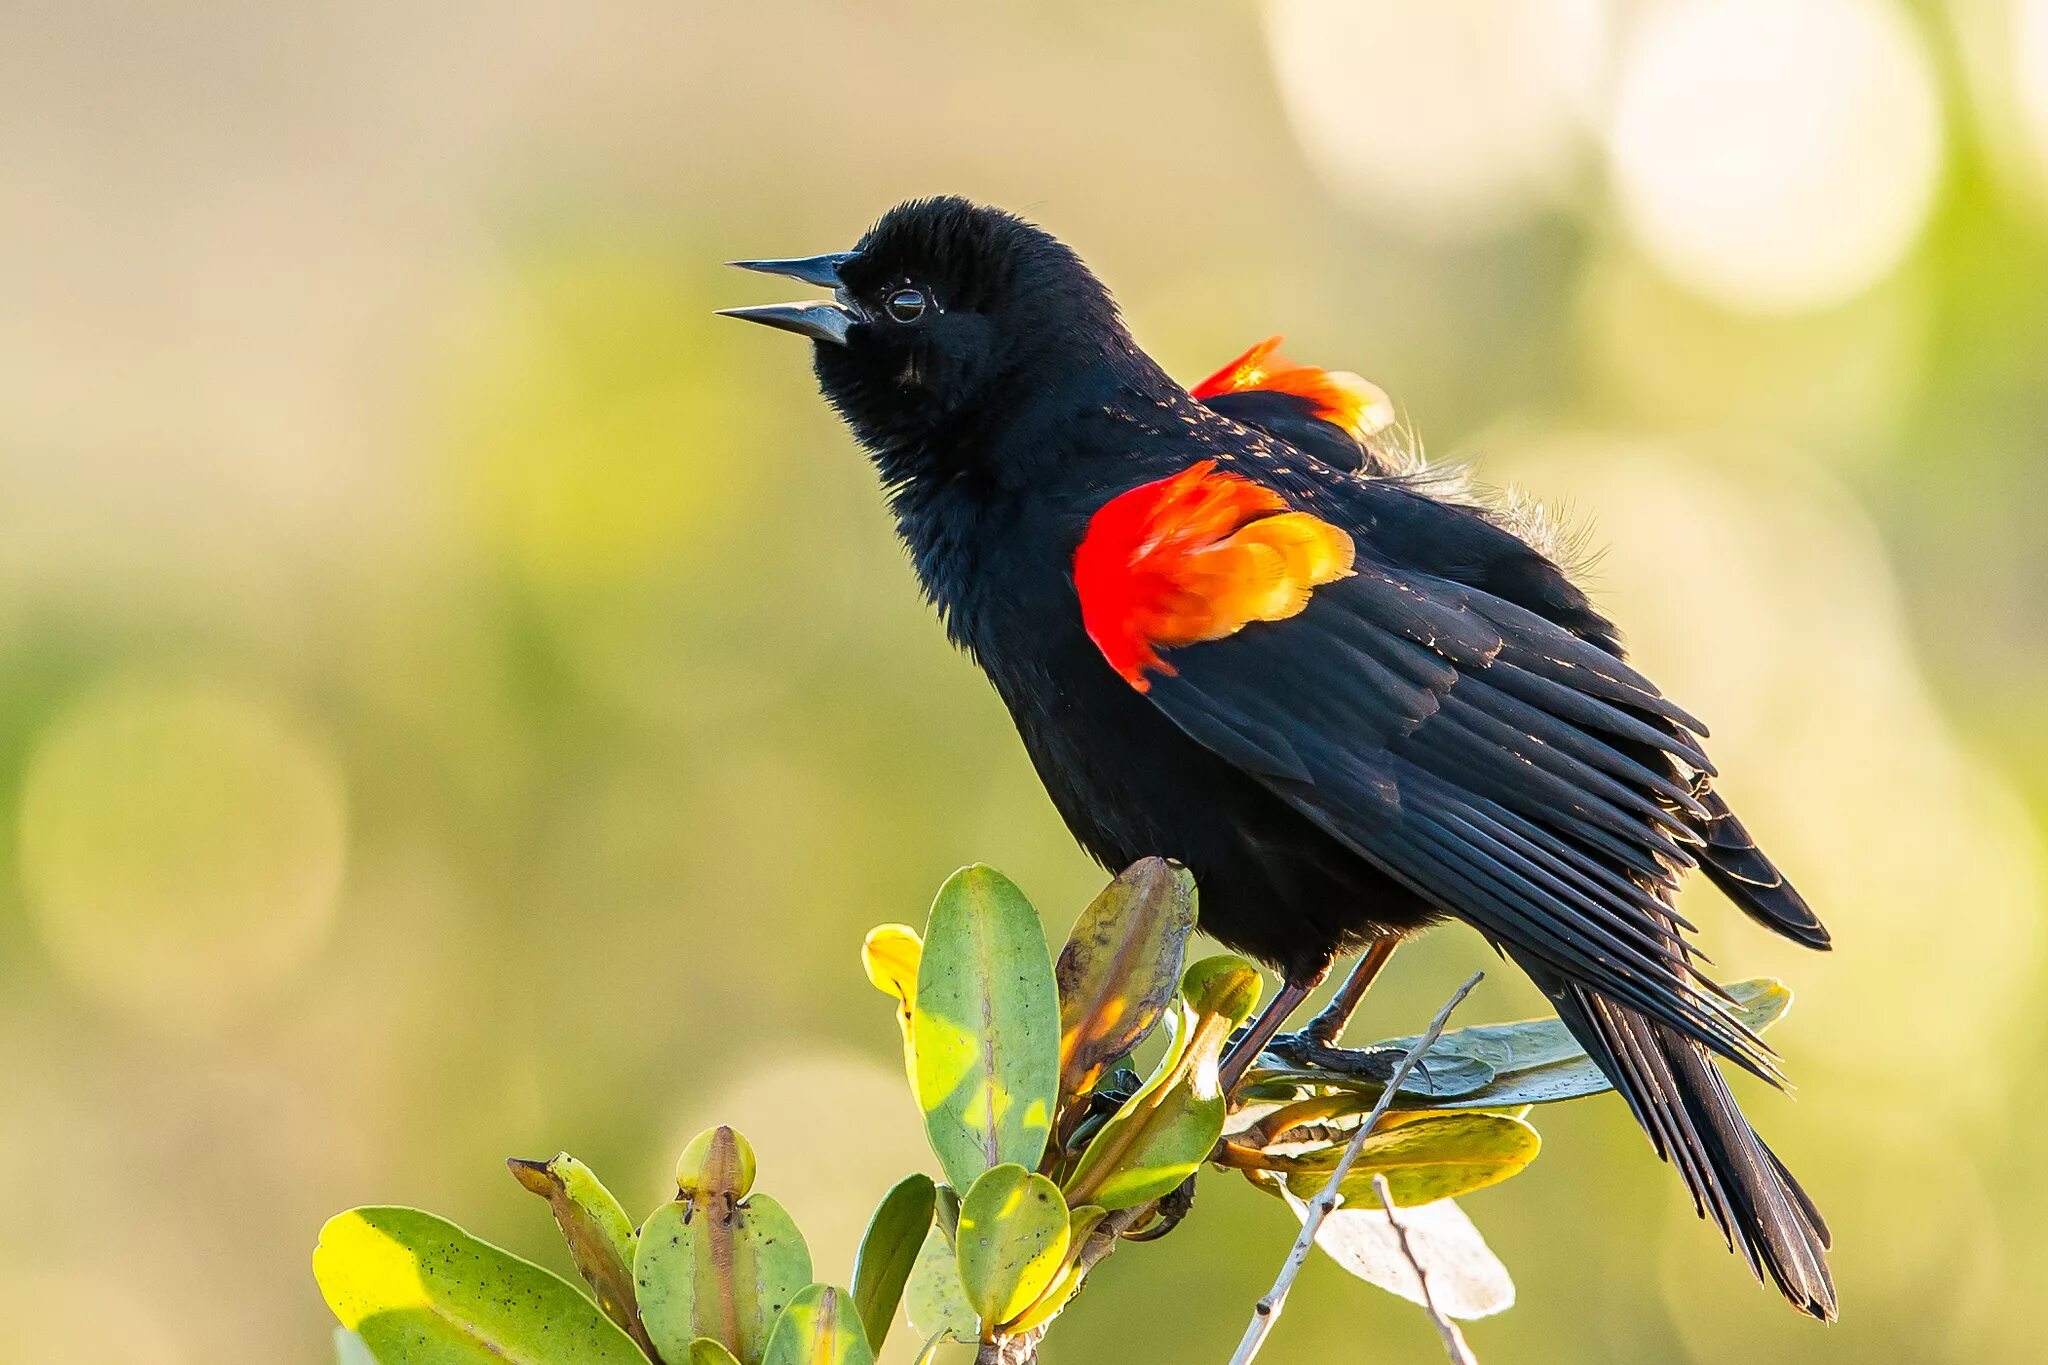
pixel 1454 1340
pixel 1269 1308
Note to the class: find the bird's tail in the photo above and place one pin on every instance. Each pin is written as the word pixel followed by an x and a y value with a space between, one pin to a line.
pixel 1682 1101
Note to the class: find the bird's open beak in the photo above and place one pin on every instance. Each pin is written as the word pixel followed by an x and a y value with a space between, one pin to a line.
pixel 820 321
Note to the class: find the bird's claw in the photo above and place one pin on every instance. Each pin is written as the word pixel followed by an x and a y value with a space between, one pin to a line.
pixel 1309 1052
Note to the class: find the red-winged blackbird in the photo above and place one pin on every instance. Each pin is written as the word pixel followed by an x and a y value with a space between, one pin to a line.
pixel 1234 630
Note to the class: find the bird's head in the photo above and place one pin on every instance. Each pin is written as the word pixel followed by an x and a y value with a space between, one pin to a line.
pixel 945 309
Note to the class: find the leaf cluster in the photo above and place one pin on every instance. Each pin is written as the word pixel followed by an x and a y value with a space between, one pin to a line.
pixel 1052 1149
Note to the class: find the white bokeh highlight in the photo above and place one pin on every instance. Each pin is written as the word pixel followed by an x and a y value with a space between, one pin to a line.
pixel 1454 118
pixel 1775 155
pixel 2030 76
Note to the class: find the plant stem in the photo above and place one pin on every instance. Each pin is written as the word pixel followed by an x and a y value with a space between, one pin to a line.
pixel 1269 1308
pixel 1018 1350
pixel 1454 1340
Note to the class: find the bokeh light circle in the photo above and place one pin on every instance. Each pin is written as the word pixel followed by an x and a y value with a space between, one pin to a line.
pixel 2030 74
pixel 84 1314
pixel 182 846
pixel 1453 118
pixel 1785 633
pixel 1776 155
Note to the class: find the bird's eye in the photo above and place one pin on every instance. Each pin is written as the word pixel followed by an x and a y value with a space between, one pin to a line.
pixel 906 305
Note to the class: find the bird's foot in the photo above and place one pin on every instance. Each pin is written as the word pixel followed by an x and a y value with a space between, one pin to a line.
pixel 1440 1074
pixel 1174 1207
pixel 1309 1051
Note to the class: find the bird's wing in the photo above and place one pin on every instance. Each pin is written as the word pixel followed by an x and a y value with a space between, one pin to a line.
pixel 1331 414
pixel 1495 763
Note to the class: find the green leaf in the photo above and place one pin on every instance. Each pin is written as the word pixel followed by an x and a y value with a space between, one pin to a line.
pixel 1425 1157
pixel 985 1027
pixel 1163 1133
pixel 1013 1236
pixel 600 1236
pixel 712 1269
pixel 888 1251
pixel 1537 1061
pixel 819 1327
pixel 705 1351
pixel 419 1290
pixel 1120 967
pixel 934 1301
pixel 350 1350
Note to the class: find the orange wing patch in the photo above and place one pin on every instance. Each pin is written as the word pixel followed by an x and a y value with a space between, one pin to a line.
pixel 1198 556
pixel 1340 397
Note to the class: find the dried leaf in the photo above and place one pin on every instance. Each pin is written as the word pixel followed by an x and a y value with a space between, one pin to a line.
pixel 1465 1278
pixel 1163 1133
pixel 601 1237
pixel 1120 967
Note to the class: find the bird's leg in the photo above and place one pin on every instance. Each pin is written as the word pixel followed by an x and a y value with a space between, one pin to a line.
pixel 1253 1040
pixel 1328 1026
pixel 1316 1046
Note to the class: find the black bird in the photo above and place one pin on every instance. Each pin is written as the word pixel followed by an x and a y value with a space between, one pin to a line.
pixel 1234 630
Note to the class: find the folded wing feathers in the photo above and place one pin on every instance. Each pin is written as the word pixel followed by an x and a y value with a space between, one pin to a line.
pixel 1494 763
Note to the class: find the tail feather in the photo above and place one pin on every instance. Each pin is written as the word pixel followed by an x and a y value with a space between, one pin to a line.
pixel 1682 1101
pixel 1734 863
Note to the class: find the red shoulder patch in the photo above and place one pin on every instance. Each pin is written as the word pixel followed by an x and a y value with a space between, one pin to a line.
pixel 1339 397
pixel 1194 557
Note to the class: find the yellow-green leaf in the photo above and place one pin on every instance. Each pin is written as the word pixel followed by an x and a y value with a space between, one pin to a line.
pixel 1067 1283
pixel 888 1250
pixel 708 1268
pixel 1120 967
pixel 1425 1157
pixel 890 955
pixel 1221 987
pixel 1013 1236
pixel 418 1290
pixel 819 1327
pixel 717 1164
pixel 705 1351
pixel 601 1237
pixel 985 1027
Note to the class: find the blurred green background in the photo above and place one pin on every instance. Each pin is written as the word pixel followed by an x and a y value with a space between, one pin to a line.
pixel 458 698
